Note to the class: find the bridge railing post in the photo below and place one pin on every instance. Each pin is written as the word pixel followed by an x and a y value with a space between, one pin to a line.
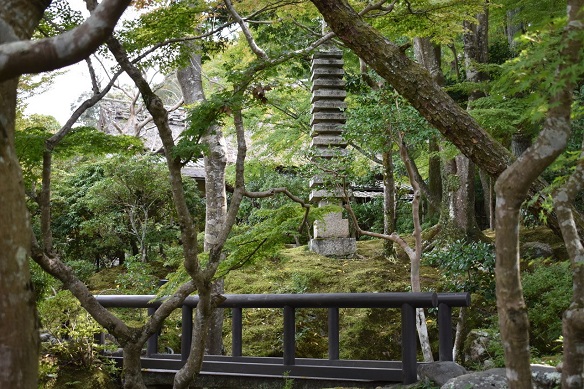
pixel 187 332
pixel 152 344
pixel 333 333
pixel 236 332
pixel 409 344
pixel 289 335
pixel 445 342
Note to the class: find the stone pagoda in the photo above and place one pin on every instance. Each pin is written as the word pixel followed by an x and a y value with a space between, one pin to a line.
pixel 331 235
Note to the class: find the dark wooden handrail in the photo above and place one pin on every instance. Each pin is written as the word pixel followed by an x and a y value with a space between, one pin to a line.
pixel 406 301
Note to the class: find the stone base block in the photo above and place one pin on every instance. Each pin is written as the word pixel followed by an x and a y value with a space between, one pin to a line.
pixel 334 247
pixel 332 226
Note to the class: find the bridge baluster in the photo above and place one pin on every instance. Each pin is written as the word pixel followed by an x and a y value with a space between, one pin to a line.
pixel 445 332
pixel 409 344
pixel 236 332
pixel 289 335
pixel 333 333
pixel 187 332
pixel 152 345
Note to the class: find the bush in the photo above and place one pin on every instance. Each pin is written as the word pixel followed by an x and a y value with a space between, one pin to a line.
pixel 70 331
pixel 547 291
pixel 467 266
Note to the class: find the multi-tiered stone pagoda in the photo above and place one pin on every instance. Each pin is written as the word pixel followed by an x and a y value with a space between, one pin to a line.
pixel 331 236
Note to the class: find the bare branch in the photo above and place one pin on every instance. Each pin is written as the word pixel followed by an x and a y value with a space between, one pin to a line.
pixel 261 54
pixel 379 7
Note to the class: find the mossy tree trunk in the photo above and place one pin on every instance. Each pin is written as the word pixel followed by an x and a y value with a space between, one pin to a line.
pixel 512 188
pixel 573 321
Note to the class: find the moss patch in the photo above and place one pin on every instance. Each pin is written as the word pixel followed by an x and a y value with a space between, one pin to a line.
pixel 365 333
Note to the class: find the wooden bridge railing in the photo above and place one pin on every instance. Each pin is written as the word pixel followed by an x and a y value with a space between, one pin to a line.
pixel 406 301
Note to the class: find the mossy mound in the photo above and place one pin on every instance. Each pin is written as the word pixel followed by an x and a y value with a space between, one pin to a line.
pixel 73 376
pixel 365 333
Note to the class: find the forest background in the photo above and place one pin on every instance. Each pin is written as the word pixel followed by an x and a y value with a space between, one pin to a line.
pixel 455 86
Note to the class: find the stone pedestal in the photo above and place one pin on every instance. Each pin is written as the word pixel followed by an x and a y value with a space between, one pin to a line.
pixel 334 247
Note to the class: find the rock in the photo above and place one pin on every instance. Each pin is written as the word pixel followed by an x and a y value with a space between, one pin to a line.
pixel 488 379
pixel 544 377
pixel 532 250
pixel 476 348
pixel 440 372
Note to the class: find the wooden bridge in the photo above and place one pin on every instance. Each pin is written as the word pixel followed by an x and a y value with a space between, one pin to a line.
pixel 331 369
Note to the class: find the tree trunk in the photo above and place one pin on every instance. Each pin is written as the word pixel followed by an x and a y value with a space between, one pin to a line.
pixel 512 188
pixel 434 178
pixel 573 321
pixel 520 141
pixel 190 80
pixel 388 199
pixel 429 55
pixel 202 320
pixel 19 341
pixel 489 199
pixel 132 374
pixel 514 27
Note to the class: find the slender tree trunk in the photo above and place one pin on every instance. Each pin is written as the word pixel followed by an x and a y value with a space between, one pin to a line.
pixel 489 198
pixel 434 178
pixel 512 188
pixel 190 80
pixel 573 321
pixel 202 321
pixel 415 258
pixel 460 335
pixel 429 55
pixel 132 374
pixel 388 198
pixel 513 28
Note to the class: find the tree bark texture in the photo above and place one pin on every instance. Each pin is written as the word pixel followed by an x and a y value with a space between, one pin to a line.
pixel 434 178
pixel 511 189
pixel 389 214
pixel 193 364
pixel 573 321
pixel 19 341
pixel 428 55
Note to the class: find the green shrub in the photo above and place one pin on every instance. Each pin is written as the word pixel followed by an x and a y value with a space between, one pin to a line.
pixel 467 266
pixel 138 277
pixel 71 330
pixel 547 291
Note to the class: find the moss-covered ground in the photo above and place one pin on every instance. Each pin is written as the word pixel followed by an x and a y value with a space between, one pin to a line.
pixel 365 333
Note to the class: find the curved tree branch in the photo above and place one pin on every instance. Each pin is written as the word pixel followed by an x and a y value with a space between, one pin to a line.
pixel 42 55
